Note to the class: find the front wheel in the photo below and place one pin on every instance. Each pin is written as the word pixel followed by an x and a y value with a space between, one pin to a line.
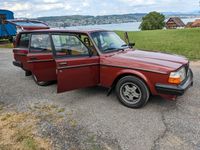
pixel 40 83
pixel 132 92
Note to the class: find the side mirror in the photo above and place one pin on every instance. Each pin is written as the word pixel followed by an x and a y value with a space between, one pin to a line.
pixel 131 45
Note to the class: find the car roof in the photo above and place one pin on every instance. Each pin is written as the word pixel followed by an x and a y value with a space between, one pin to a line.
pixel 86 31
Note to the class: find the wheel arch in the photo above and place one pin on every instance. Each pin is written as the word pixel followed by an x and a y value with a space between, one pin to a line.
pixel 135 74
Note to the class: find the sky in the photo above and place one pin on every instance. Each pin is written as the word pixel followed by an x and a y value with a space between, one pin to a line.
pixel 40 8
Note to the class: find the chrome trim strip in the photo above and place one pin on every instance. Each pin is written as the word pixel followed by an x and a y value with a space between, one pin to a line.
pixel 78 66
pixel 134 68
pixel 44 60
pixel 20 54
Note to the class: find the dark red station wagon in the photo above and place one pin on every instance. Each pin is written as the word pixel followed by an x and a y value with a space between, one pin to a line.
pixel 80 59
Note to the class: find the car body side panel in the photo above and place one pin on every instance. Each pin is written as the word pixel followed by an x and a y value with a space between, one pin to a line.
pixel 75 73
pixel 42 65
pixel 110 73
pixel 20 55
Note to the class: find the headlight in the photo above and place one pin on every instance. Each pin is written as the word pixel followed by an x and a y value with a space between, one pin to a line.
pixel 177 77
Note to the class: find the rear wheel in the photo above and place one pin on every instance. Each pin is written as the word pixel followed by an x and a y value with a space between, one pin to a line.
pixel 132 92
pixel 40 83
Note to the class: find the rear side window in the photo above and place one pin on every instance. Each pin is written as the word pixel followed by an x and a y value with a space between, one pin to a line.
pixel 24 40
pixel 40 43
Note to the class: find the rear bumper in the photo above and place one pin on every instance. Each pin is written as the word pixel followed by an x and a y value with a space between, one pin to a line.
pixel 176 90
pixel 17 63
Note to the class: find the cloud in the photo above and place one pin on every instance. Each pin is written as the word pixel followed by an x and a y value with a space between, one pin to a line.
pixel 17 6
pixel 49 7
pixel 139 2
pixel 36 8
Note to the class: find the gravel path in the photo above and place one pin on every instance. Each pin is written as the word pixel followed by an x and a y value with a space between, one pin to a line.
pixel 159 125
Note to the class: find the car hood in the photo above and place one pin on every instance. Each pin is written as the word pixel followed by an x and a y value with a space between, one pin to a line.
pixel 149 60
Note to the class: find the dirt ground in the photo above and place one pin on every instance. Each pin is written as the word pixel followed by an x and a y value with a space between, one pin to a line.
pixel 34 117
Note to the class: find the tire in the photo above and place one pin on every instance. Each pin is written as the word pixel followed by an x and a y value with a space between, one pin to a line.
pixel 28 73
pixel 40 83
pixel 132 92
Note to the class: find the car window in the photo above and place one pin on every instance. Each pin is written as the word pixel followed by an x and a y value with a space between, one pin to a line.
pixel 24 40
pixel 69 45
pixel 40 43
pixel 86 40
pixel 108 41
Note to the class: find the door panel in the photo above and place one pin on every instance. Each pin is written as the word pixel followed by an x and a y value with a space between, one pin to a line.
pixel 40 58
pixel 20 55
pixel 42 65
pixel 75 73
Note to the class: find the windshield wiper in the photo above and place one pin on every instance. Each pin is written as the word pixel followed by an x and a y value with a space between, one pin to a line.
pixel 110 49
pixel 113 49
pixel 124 45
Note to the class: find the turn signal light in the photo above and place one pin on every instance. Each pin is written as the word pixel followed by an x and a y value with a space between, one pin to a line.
pixel 178 76
pixel 174 80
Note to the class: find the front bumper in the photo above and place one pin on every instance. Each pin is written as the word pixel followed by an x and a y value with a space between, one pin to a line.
pixel 17 63
pixel 176 90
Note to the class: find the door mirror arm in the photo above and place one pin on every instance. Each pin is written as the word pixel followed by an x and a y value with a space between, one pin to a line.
pixel 90 52
pixel 126 37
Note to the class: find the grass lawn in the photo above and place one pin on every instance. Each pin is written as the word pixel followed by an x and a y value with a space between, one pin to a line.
pixel 184 41
pixel 5 44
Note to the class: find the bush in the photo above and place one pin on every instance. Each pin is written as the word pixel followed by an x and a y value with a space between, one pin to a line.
pixel 153 21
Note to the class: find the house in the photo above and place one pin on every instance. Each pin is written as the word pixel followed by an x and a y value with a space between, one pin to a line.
pixel 196 24
pixel 174 23
pixel 189 24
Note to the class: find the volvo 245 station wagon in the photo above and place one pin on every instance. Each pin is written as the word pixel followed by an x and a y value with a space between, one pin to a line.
pixel 80 59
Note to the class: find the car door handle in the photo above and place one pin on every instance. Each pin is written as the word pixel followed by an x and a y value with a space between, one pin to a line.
pixel 63 63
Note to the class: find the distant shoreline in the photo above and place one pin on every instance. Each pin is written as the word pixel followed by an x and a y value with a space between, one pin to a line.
pixel 78 20
pixel 130 26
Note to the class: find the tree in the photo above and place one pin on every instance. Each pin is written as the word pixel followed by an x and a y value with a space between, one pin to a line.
pixel 153 21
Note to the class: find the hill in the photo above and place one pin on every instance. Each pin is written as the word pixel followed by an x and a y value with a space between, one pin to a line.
pixel 80 20
pixel 76 20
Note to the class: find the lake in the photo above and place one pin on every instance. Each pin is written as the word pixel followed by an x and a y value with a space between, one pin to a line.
pixel 132 26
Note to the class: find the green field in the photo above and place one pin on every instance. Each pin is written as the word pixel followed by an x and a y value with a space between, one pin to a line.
pixel 184 41
pixel 5 44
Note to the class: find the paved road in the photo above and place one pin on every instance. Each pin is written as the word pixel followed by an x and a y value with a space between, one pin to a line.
pixel 159 125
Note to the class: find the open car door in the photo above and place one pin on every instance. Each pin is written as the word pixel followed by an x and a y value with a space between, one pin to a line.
pixel 75 67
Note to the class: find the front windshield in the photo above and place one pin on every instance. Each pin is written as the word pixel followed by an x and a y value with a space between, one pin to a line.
pixel 108 41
